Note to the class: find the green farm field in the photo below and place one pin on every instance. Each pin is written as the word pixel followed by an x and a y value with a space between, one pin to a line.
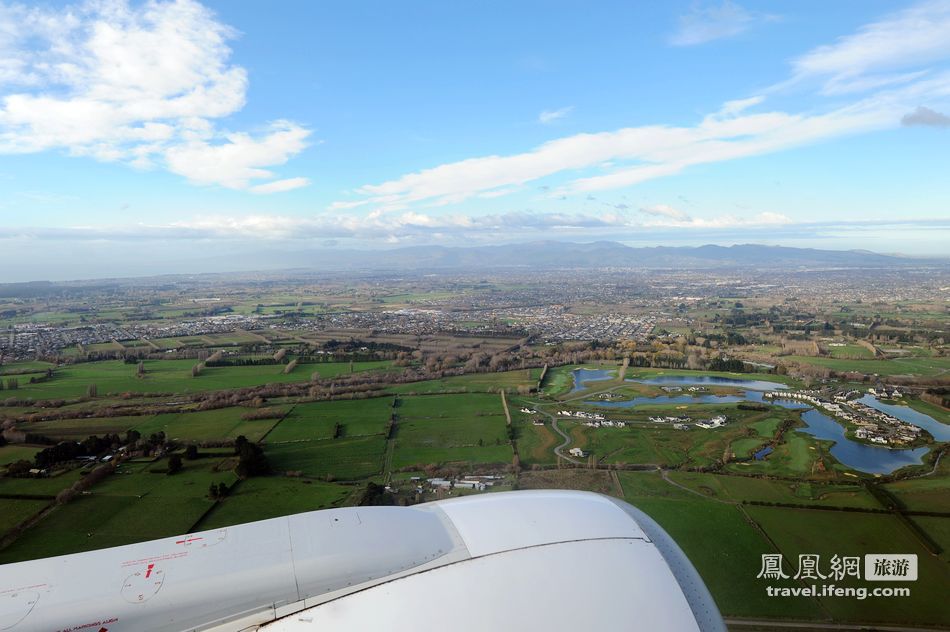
pixel 317 420
pixel 450 429
pixel 535 443
pixel 339 459
pixel 851 351
pixel 13 511
pixel 919 366
pixel 927 493
pixel 725 548
pixel 48 486
pixel 744 489
pixel 11 453
pixel 221 424
pixel 474 383
pixel 661 444
pixel 138 502
pixel 271 497
pixel 174 376
pixel 827 533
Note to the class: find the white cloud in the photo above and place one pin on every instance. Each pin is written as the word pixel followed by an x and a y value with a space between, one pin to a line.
pixel 732 108
pixel 549 116
pixel 665 210
pixel 279 186
pixel 134 84
pixel 638 154
pixel 875 55
pixel 705 23
pixel 628 156
pixel 240 159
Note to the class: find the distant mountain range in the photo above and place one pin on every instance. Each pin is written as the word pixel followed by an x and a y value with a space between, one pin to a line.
pixel 540 255
pixel 554 254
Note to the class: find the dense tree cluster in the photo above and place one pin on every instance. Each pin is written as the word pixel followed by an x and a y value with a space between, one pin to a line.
pixel 375 495
pixel 69 450
pixel 251 459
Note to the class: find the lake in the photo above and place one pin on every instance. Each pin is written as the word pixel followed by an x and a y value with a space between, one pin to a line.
pixel 940 432
pixel 872 459
pixel 583 376
pixel 711 380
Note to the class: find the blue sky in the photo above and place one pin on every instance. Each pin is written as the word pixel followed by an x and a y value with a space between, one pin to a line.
pixel 160 129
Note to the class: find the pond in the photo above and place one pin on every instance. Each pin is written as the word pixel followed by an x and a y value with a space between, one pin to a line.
pixel 764 452
pixel 583 376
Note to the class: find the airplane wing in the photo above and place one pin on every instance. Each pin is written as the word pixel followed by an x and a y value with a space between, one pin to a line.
pixel 536 560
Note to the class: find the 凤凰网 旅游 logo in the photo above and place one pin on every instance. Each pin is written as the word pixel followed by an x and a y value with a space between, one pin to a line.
pixel 875 567
pixel 813 577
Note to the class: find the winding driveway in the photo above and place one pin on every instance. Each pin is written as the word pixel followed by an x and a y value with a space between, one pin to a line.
pixel 559 450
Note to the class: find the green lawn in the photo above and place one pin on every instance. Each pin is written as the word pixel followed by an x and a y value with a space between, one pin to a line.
pixel 742 488
pixel 927 493
pixel 10 453
pixel 47 486
pixel 416 456
pixel 223 424
pixel 726 550
pixel 850 351
pixel 938 528
pixel 450 421
pixel 132 505
pixel 68 529
pixel 273 496
pixel 535 443
pixel 78 429
pixel 35 366
pixel 317 420
pixel 13 512
pixel 794 457
pixel 921 366
pixel 640 485
pixel 661 444
pixel 450 428
pixel 473 383
pixel 341 459
pixel 174 376
pixel 148 478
